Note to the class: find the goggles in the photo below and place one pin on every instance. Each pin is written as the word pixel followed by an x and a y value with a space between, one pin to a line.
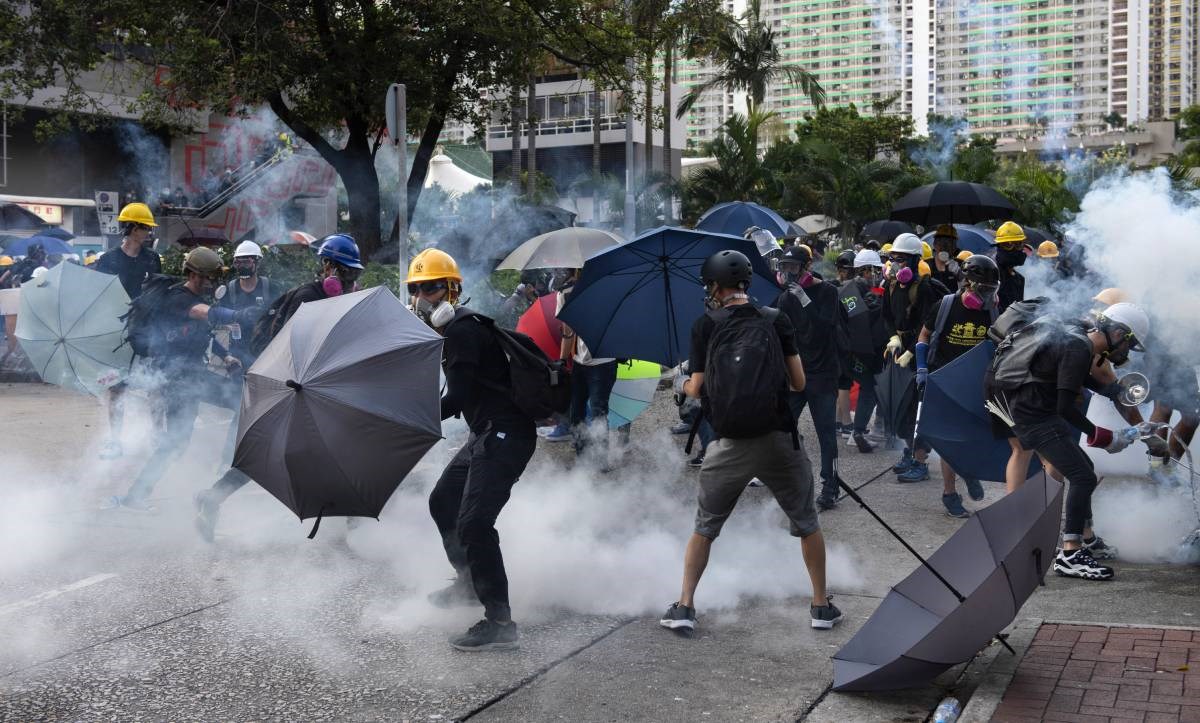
pixel 427 287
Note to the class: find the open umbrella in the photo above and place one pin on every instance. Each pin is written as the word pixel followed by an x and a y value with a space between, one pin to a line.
pixel 58 232
pixel 566 248
pixel 203 236
pixel 18 218
pixel 955 423
pixel 341 405
pixel 631 395
pixel 894 389
pixel 540 324
pixel 960 598
pixel 69 326
pixel 816 223
pixel 639 300
pixel 952 202
pixel 52 245
pixel 970 238
pixel 885 231
pixel 734 217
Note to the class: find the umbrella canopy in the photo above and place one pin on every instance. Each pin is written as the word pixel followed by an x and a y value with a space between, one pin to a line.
pixel 952 202
pixel 58 232
pixel 18 218
pixel 894 389
pixel 203 236
pixel 341 405
pixel 53 245
pixel 1034 236
pixel 816 223
pixel 566 248
pixel 631 395
pixel 886 231
pixel 639 300
pixel 540 324
pixel 69 326
pixel 970 238
pixel 734 217
pixel 923 627
pixel 955 423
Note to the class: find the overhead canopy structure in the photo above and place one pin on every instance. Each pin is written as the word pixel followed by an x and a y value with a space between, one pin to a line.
pixel 451 178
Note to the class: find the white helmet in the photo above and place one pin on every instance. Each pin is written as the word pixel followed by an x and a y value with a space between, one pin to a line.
pixel 907 243
pixel 248 248
pixel 1131 317
pixel 867 257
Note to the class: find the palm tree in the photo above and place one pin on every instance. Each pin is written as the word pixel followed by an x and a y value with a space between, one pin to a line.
pixel 738 175
pixel 749 60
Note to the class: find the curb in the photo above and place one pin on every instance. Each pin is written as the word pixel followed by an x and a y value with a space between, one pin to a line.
pixel 996 670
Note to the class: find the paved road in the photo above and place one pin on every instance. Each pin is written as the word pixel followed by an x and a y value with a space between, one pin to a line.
pixel 120 615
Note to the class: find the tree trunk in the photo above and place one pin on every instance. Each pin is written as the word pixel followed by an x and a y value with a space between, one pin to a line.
pixel 531 185
pixel 357 170
pixel 668 78
pixel 648 156
pixel 515 131
pixel 597 118
pixel 420 161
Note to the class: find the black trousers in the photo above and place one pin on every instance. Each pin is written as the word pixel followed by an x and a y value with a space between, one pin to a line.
pixel 465 503
pixel 1057 442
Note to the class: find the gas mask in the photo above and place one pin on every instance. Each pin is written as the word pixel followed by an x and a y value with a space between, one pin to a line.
pixel 943 256
pixel 245 266
pixel 434 313
pixel 1010 258
pixel 711 301
pixel 905 275
pixel 1117 353
pixel 343 280
pixel 979 296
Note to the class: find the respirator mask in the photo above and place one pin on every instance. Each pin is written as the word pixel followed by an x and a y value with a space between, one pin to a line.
pixel 979 296
pixel 434 313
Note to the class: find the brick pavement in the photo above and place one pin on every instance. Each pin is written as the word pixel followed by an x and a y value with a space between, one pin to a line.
pixel 1098 673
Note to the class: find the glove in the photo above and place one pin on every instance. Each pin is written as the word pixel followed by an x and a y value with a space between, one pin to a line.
pixel 893 346
pixel 1112 442
pixel 922 377
pixel 249 316
pixel 905 359
pixel 677 388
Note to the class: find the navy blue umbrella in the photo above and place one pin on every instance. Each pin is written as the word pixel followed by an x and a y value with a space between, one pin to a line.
pixel 58 232
pixel 734 217
pixel 52 245
pixel 639 300
pixel 955 423
pixel 970 238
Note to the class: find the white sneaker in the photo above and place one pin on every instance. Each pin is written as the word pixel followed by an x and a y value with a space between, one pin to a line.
pixel 1080 563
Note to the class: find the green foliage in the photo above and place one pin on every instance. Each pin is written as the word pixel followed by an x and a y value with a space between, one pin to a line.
pixel 1188 123
pixel 1038 191
pixel 739 174
pixel 858 136
pixel 286 266
pixel 377 274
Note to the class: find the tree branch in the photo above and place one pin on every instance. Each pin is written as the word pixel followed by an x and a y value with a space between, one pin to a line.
pixel 304 130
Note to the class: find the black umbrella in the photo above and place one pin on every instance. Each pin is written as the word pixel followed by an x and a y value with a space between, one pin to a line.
pixel 17 218
pixel 960 598
pixel 952 202
pixel 894 390
pixel 885 231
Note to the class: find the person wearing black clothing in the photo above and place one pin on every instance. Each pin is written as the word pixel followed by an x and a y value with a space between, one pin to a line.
pixel 1010 253
pixel 819 320
pixel 475 486
pixel 1041 399
pixel 861 298
pixel 132 262
pixel 22 271
pixel 946 268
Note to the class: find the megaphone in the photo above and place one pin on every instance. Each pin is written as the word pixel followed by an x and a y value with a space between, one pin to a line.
pixel 1135 389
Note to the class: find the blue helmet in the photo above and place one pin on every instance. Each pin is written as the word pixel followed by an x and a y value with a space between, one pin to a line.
pixel 341 249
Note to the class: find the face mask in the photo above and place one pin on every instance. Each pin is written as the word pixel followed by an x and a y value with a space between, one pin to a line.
pixel 434 313
pixel 332 285
pixel 972 301
pixel 1009 259
pixel 245 269
pixel 905 275
pixel 784 278
pixel 807 280
pixel 943 256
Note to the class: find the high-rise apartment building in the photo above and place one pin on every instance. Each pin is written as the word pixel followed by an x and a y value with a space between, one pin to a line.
pixel 1154 57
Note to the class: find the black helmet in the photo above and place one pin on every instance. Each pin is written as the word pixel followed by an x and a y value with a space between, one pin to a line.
pixel 845 259
pixel 797 253
pixel 728 269
pixel 981 269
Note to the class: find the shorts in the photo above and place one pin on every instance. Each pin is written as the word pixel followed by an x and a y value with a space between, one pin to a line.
pixel 10 302
pixel 1000 430
pixel 730 464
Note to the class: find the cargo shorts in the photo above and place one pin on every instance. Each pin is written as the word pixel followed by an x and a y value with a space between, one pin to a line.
pixel 730 464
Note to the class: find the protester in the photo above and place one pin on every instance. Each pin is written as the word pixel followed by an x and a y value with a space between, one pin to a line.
pixel 865 340
pixel 1036 379
pixel 954 327
pixel 743 360
pixel 946 267
pixel 1047 251
pixel 592 381
pixel 1010 253
pixel 476 485
pixel 845 266
pixel 10 304
pixel 1173 381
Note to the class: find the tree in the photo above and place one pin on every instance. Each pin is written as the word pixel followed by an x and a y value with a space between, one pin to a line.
pixel 738 174
pixel 322 66
pixel 1038 191
pixel 864 137
pixel 1114 120
pixel 749 60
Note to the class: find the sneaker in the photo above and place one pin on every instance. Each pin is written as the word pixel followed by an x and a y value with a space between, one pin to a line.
pixel 697 461
pixel 681 428
pixel 954 506
pixel 207 510
pixel 117 502
pixel 974 488
pixel 827 501
pixel 824 617
pixel 756 482
pixel 460 593
pixel 906 462
pixel 917 472
pixel 858 439
pixel 487 635
pixel 560 433
pixel 111 449
pixel 1080 563
pixel 1099 549
pixel 679 617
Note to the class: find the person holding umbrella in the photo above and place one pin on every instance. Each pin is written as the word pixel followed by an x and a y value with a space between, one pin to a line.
pixel 592 381
pixel 477 483
pixel 132 262
pixel 1010 253
pixel 946 268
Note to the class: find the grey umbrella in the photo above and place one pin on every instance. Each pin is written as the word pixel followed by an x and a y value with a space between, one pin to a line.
pixel 566 248
pixel 960 598
pixel 341 405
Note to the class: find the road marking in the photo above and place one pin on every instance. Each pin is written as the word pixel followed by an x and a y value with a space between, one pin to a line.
pixel 51 594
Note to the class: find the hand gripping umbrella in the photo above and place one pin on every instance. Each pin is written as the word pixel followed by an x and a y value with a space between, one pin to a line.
pixel 566 248
pixel 960 598
pixel 341 405
pixel 734 217
pixel 639 300
pixel 952 202
pixel 70 327
pixel 955 423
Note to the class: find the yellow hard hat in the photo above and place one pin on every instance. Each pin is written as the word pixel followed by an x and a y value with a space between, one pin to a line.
pixel 926 251
pixel 1111 296
pixel 946 229
pixel 1047 250
pixel 136 213
pixel 963 256
pixel 6 261
pixel 1008 233
pixel 431 265
pixel 923 268
pixel 886 248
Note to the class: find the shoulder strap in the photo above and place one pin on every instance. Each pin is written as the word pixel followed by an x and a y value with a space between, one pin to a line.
pixel 769 313
pixel 231 288
pixel 943 313
pixel 266 288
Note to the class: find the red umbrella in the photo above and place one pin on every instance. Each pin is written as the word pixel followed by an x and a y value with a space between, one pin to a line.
pixel 540 324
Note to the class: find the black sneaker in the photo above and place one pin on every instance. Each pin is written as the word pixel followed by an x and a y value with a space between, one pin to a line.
pixel 954 506
pixel 697 461
pixel 824 617
pixel 1080 563
pixel 864 445
pixel 679 617
pixel 827 501
pixel 460 593
pixel 1099 550
pixel 207 510
pixel 974 488
pixel 487 635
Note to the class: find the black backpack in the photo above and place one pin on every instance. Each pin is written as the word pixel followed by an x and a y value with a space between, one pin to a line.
pixel 745 375
pixel 538 386
pixel 271 321
pixel 144 328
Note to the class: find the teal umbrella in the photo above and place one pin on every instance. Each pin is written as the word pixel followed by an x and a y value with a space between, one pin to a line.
pixel 636 383
pixel 70 327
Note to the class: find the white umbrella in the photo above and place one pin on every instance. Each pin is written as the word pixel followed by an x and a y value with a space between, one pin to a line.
pixel 71 329
pixel 816 223
pixel 566 248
